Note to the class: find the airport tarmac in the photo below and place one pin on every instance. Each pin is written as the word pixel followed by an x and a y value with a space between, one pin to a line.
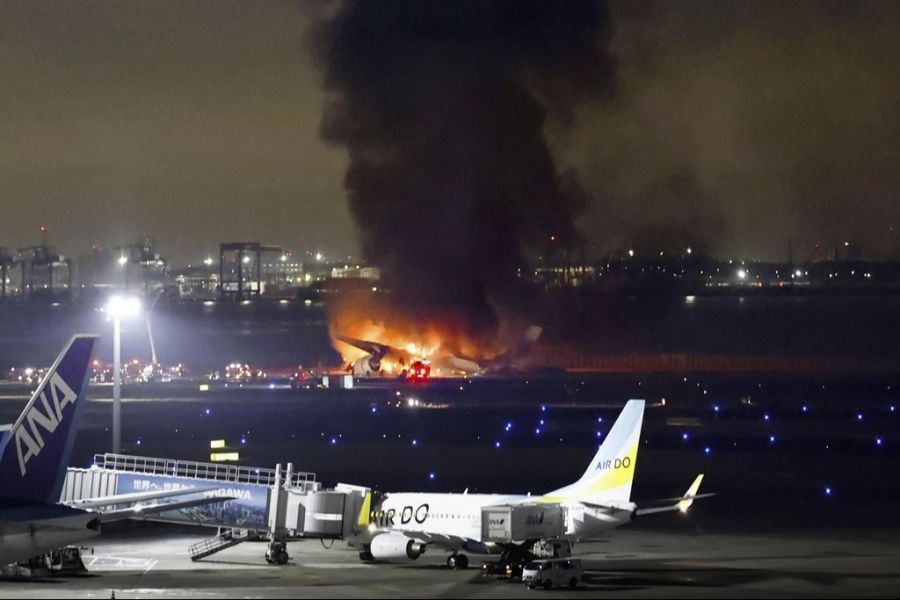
pixel 631 563
pixel 803 471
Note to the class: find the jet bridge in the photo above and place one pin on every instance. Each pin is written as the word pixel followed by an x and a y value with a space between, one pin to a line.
pixel 242 502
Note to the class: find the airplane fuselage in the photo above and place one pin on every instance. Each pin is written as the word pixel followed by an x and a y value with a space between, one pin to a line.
pixel 27 531
pixel 460 515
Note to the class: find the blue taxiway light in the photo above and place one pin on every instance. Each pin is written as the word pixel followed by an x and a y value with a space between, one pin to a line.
pixel 685 436
pixel 715 408
pixel 496 444
pixel 333 441
pixel 827 490
pixel 859 416
pixel 431 476
pixel 415 442
pixel 766 417
pixel 771 439
pixel 804 408
pixel 878 441
pixel 707 450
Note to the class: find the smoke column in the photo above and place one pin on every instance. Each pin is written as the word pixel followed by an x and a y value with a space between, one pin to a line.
pixel 442 109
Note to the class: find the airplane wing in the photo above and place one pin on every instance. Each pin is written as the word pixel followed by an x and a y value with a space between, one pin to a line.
pixel 142 511
pixel 373 348
pixel 441 540
pixel 91 503
pixel 680 504
pixel 104 506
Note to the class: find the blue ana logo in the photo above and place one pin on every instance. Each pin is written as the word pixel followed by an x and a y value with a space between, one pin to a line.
pixel 29 435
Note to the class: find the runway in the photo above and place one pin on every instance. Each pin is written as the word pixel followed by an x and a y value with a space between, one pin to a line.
pixel 634 563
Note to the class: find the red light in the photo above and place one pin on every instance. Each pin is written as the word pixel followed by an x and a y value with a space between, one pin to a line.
pixel 419 371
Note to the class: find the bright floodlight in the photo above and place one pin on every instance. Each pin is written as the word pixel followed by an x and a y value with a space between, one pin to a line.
pixel 742 274
pixel 123 306
pixel 208 261
pixel 122 260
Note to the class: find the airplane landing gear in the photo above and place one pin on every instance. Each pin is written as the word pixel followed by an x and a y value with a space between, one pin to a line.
pixel 457 561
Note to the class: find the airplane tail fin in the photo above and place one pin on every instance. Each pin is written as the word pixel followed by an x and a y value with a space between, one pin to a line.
pixel 611 472
pixel 37 449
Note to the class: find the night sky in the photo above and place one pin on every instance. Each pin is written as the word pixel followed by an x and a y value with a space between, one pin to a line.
pixel 726 126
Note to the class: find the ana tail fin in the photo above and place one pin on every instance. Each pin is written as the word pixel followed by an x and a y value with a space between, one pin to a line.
pixel 611 472
pixel 37 449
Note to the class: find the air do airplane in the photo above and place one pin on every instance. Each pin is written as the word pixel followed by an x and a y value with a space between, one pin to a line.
pixel 401 527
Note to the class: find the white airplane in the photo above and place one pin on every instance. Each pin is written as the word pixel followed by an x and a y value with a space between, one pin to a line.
pixel 403 526
pixel 513 361
pixel 34 455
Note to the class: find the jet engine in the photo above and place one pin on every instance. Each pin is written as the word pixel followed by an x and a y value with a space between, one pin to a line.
pixel 395 546
pixel 365 366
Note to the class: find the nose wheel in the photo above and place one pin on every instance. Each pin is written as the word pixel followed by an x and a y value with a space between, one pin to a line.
pixel 457 561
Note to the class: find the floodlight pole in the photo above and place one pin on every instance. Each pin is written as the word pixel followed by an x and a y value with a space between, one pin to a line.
pixel 117 386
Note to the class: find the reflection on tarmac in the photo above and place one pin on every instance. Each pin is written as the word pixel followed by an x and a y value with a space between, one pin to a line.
pixel 632 563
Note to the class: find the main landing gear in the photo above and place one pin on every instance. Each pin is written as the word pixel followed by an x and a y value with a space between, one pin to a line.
pixel 457 561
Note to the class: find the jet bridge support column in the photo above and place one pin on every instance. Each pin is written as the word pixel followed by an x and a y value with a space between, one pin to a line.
pixel 277 551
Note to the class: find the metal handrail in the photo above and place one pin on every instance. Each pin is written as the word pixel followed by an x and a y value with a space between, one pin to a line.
pixel 199 470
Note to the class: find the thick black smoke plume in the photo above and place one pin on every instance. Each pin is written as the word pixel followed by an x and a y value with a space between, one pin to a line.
pixel 442 107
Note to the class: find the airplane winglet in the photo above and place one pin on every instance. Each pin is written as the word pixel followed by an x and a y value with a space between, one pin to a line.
pixel 688 500
pixel 681 504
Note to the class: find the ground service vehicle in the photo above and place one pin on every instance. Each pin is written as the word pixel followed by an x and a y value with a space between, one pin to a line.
pixel 553 572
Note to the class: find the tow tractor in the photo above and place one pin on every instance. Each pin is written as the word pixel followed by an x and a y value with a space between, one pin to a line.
pixel 509 566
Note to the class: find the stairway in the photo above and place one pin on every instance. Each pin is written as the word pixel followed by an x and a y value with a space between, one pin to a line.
pixel 210 546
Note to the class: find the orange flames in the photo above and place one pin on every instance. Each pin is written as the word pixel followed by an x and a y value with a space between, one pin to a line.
pixel 371 316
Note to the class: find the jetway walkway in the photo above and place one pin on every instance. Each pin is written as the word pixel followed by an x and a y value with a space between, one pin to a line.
pixel 202 470
pixel 241 502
